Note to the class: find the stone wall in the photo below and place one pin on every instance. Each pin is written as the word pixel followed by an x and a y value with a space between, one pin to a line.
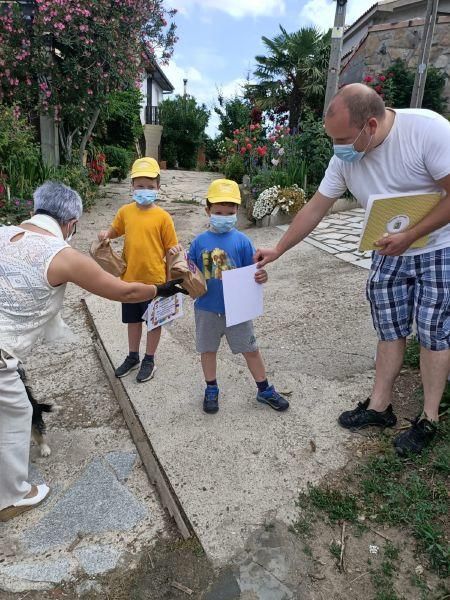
pixel 385 43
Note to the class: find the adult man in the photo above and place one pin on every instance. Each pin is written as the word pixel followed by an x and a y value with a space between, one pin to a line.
pixel 386 151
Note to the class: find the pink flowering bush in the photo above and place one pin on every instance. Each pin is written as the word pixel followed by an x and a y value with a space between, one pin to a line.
pixel 74 52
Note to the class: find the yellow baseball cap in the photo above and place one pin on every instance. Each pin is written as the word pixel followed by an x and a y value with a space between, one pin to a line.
pixel 145 167
pixel 224 190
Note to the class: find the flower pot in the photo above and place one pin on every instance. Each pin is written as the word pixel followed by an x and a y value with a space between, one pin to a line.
pixel 280 218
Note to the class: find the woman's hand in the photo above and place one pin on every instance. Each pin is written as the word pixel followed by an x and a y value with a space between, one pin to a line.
pixel 175 250
pixel 261 276
pixel 103 235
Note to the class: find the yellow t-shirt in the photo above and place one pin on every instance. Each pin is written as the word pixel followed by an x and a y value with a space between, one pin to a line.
pixel 149 234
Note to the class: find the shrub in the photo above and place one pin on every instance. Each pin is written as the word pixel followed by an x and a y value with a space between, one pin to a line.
pixel 119 160
pixel 234 168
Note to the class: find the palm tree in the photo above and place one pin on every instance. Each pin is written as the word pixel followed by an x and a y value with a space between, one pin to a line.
pixel 293 74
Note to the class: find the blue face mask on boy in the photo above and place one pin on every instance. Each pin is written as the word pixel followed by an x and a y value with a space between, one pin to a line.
pixel 145 197
pixel 222 224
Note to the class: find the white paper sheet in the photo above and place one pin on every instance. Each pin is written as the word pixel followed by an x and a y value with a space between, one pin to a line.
pixel 243 296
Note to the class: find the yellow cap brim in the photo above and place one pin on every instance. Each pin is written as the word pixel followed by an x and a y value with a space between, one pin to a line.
pixel 216 200
pixel 151 174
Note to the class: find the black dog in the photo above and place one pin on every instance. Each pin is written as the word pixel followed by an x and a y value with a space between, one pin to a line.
pixel 38 428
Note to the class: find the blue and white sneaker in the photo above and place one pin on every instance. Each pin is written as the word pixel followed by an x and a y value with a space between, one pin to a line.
pixel 211 399
pixel 273 399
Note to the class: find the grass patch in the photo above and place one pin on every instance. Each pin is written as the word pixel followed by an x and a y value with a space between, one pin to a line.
pixel 337 505
pixel 335 550
pixel 412 354
pixel 411 494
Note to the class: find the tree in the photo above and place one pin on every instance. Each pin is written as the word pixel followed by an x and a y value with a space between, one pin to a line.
pixel 234 113
pixel 76 52
pixel 293 75
pixel 119 122
pixel 184 123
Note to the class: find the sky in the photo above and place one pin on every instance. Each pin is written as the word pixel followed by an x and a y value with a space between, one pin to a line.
pixel 218 40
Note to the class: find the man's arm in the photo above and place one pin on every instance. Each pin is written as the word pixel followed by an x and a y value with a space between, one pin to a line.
pixel 398 243
pixel 304 222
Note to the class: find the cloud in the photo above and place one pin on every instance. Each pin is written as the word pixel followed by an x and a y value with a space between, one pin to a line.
pixel 235 8
pixel 321 12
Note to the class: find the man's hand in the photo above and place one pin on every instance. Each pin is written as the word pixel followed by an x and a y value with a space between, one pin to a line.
pixel 175 250
pixel 261 276
pixel 165 290
pixel 395 244
pixel 263 256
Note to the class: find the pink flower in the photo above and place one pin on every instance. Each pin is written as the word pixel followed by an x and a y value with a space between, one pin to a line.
pixel 252 127
pixel 243 150
pixel 382 78
pixel 249 146
pixel 90 92
pixel 368 79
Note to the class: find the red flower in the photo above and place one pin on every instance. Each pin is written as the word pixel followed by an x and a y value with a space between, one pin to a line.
pixel 378 88
pixel 382 78
pixel 368 79
pixel 243 150
pixel 249 146
pixel 261 150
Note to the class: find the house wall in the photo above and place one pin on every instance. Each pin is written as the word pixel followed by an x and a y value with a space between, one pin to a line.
pixel 385 43
pixel 403 13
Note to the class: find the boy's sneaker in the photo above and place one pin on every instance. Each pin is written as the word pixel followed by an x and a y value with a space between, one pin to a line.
pixel 273 399
pixel 416 438
pixel 211 399
pixel 361 417
pixel 146 371
pixel 129 364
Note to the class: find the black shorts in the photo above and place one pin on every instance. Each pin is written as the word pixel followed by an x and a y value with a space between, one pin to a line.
pixel 132 313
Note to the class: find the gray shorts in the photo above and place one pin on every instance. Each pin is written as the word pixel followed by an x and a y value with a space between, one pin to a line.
pixel 211 327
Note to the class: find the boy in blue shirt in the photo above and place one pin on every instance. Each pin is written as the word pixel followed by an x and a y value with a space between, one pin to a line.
pixel 221 248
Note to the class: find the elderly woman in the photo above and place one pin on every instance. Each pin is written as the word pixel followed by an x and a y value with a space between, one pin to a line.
pixel 36 262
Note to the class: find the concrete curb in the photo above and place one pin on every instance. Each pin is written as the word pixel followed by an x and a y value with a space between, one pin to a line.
pixel 154 470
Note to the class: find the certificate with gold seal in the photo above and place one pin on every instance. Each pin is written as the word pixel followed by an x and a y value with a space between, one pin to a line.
pixel 393 214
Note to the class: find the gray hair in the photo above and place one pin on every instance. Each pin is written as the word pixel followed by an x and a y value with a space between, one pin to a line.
pixel 59 201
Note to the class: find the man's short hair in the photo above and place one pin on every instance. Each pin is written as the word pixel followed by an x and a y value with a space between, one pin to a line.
pixel 361 104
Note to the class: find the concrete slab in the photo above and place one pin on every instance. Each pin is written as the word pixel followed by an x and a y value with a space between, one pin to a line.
pixel 233 471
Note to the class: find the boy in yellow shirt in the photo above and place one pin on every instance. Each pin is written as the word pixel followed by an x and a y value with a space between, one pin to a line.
pixel 149 235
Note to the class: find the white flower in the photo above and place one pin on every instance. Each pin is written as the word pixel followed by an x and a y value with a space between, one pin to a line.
pixel 281 151
pixel 274 161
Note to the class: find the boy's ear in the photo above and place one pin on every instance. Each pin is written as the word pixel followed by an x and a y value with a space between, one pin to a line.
pixel 208 211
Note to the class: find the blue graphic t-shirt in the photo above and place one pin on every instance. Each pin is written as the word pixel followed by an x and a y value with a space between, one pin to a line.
pixel 214 253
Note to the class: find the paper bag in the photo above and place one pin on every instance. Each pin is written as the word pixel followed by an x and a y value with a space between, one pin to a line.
pixel 180 267
pixel 107 258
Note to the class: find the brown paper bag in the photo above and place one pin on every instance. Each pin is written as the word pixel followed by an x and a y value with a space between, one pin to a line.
pixel 180 267
pixel 109 260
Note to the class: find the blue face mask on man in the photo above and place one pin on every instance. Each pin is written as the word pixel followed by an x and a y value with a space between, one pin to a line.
pixel 348 152
pixel 222 224
pixel 145 197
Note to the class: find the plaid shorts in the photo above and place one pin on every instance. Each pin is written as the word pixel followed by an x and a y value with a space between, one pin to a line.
pixel 402 289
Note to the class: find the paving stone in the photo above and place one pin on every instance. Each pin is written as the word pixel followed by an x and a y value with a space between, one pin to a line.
pixel 97 559
pixel 96 502
pixel 319 245
pixel 351 238
pixel 256 579
pixel 347 256
pixel 330 236
pixel 366 263
pixel 225 588
pixel 88 587
pixel 52 571
pixel 122 463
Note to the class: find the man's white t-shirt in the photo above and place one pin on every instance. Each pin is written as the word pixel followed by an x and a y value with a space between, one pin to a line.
pixel 414 155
